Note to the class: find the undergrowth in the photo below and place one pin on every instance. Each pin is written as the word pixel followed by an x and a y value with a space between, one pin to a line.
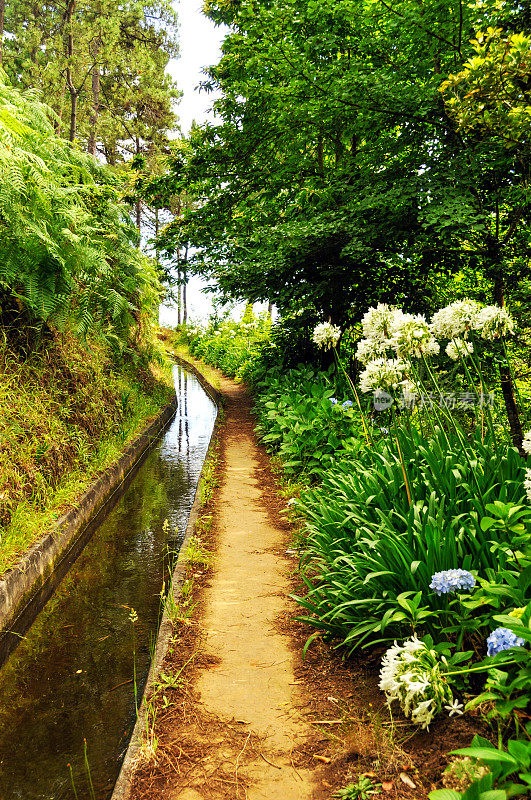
pixel 67 410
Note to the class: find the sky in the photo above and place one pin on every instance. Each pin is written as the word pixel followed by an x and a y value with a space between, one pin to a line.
pixel 200 46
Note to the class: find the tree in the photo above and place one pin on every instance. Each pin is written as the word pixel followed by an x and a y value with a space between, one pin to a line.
pixel 107 57
pixel 336 175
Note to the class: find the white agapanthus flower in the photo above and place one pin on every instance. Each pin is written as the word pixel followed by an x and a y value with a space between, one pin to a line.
pixel 383 373
pixel 459 348
pixel 455 320
pixel 526 444
pixel 377 322
pixel 326 335
pixel 411 337
pixel 494 322
pixel 370 349
pixel 413 675
pixel 454 708
pixel 527 483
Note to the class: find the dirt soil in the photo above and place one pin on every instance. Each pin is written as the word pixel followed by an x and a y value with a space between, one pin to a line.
pixel 246 716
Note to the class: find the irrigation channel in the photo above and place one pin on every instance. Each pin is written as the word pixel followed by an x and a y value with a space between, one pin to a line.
pixel 70 678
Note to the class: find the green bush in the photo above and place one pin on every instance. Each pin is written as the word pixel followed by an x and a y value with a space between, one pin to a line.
pixel 298 420
pixel 233 347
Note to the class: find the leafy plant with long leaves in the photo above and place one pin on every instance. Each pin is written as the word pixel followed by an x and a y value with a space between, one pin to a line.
pixel 370 554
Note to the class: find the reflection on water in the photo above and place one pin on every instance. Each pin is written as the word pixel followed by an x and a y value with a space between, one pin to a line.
pixel 70 678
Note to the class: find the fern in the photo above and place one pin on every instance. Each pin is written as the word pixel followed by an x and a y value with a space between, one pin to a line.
pixel 67 248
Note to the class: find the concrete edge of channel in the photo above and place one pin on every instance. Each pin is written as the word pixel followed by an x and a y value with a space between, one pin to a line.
pixel 122 787
pixel 22 582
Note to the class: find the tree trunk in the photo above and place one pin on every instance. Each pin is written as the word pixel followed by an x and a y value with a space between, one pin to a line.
pixel 506 380
pixel 70 55
pixel 2 12
pixel 320 155
pixel 73 115
pixel 185 278
pixel 93 121
pixel 157 259
pixel 138 204
pixel 178 252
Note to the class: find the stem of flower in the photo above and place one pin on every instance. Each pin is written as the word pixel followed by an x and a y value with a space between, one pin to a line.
pixel 459 436
pixel 476 669
pixel 347 376
pixel 406 481
pixel 463 359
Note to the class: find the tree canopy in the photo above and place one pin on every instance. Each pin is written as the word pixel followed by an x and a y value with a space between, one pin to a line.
pixel 343 167
pixel 100 64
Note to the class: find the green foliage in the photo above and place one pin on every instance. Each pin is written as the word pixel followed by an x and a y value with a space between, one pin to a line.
pixel 67 253
pixel 369 546
pixel 298 421
pixel 62 419
pixel 234 347
pixel 363 789
pixel 490 94
pixel 100 64
pixel 336 175
pixel 373 555
pixel 509 772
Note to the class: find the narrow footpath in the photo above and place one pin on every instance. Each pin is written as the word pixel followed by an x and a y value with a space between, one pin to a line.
pixel 253 682
pixel 241 729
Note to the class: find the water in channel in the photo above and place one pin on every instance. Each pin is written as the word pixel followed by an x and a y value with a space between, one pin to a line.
pixel 71 678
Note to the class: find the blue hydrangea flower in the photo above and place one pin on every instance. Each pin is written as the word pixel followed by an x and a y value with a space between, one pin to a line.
pixel 348 404
pixel 333 401
pixel 451 580
pixel 502 639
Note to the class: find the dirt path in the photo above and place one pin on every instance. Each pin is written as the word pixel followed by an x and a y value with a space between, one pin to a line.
pixel 254 681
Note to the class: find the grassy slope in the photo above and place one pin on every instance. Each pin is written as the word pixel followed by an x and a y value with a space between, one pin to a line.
pixel 66 412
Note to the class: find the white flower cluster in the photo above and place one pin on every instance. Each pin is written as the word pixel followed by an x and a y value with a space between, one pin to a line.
pixel 326 335
pixel 459 348
pixel 370 349
pixel 383 373
pixel 386 328
pixel 455 320
pixel 377 322
pixel 526 444
pixel 413 674
pixel 493 322
pixel 411 337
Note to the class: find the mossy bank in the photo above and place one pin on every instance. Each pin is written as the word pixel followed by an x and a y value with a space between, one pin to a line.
pixel 68 409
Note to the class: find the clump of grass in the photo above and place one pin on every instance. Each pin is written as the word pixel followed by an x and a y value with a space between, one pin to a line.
pixel 178 607
pixel 209 477
pixel 195 552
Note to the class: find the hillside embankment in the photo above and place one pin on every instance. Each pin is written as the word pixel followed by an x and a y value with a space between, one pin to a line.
pixel 68 409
